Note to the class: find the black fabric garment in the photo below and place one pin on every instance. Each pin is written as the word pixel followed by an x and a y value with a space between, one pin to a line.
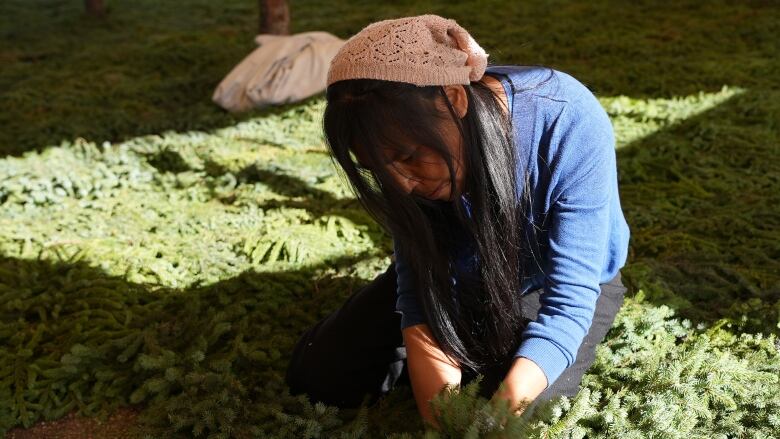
pixel 358 350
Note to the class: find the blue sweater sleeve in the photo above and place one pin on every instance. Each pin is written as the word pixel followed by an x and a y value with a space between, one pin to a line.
pixel 406 303
pixel 583 166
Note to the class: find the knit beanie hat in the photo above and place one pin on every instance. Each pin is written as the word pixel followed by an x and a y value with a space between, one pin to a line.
pixel 421 50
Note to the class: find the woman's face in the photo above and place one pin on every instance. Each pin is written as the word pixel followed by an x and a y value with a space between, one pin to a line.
pixel 421 170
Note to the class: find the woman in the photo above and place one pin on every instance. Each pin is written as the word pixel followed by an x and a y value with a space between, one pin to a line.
pixel 499 187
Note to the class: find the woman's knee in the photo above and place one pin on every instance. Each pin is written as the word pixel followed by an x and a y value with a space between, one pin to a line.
pixel 333 380
pixel 296 375
pixel 348 352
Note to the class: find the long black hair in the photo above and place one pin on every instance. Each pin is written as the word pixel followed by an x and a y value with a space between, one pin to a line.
pixel 482 325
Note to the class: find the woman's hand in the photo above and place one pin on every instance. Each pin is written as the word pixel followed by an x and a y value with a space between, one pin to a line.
pixel 430 370
pixel 523 383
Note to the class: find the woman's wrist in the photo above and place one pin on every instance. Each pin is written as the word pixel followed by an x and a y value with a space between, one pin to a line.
pixel 430 370
pixel 523 383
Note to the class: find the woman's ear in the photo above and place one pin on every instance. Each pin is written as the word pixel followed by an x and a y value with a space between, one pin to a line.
pixel 457 97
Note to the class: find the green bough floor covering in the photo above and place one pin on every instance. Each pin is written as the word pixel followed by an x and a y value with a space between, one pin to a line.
pixel 158 252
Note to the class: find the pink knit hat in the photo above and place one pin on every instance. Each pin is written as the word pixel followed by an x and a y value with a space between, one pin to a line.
pixel 422 50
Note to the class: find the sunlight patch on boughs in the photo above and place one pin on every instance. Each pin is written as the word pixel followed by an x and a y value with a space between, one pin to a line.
pixel 634 119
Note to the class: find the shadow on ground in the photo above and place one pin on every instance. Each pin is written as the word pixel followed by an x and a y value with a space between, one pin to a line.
pixel 85 340
pixel 701 200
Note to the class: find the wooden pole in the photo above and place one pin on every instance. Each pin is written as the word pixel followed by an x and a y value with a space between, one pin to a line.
pixel 274 17
pixel 95 8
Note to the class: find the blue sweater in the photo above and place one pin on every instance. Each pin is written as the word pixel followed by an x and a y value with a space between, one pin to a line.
pixel 565 141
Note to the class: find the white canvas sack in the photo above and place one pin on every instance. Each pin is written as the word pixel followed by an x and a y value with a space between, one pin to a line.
pixel 283 69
